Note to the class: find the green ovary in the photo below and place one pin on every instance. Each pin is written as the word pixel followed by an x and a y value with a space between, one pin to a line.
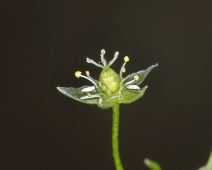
pixel 109 80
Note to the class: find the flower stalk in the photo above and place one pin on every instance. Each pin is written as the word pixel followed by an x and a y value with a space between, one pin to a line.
pixel 115 135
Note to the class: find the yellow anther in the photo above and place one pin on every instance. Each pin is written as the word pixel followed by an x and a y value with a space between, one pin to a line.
pixel 136 77
pixel 126 59
pixel 123 69
pixel 87 73
pixel 100 83
pixel 78 74
pixel 89 94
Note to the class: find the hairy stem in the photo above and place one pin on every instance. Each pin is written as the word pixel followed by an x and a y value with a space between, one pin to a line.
pixel 115 132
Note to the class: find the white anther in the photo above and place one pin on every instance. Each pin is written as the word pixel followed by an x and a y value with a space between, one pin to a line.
pixel 88 89
pixel 133 87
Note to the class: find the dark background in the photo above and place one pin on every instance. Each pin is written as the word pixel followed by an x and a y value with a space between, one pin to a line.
pixel 44 43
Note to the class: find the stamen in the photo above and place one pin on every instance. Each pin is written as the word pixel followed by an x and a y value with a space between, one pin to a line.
pixel 89 94
pixel 93 62
pixel 114 58
pixel 124 79
pixel 102 57
pixel 78 74
pixel 136 78
pixel 123 70
pixel 126 59
pixel 88 74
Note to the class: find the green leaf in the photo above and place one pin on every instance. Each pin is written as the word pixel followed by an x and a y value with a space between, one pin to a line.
pixel 152 165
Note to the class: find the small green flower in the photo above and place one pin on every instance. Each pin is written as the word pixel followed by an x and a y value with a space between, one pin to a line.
pixel 111 87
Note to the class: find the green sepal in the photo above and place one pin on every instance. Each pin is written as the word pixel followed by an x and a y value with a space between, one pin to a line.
pixel 130 96
pixel 76 94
